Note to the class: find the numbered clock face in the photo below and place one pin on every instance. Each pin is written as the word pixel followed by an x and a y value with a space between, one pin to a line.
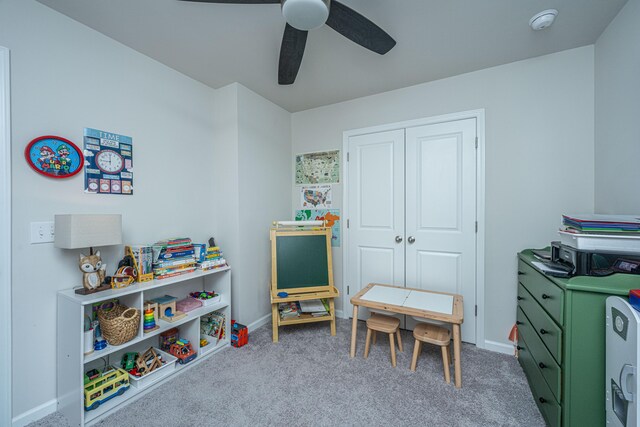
pixel 109 161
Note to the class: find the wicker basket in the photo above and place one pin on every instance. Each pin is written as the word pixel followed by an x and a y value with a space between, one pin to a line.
pixel 120 324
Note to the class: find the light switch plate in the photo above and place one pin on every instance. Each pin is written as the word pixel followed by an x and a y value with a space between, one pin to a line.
pixel 42 232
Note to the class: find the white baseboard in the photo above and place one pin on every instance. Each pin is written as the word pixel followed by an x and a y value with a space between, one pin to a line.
pixel 260 322
pixel 340 314
pixel 498 347
pixel 35 414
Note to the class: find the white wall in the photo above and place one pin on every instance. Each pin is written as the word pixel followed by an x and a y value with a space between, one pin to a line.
pixel 65 77
pixel 265 179
pixel 252 163
pixel 539 153
pixel 617 106
pixel 225 172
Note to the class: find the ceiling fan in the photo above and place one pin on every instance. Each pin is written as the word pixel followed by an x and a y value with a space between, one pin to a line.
pixel 305 15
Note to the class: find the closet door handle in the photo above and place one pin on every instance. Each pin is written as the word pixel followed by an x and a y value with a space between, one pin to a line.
pixel 543 331
pixel 411 239
pixel 545 296
pixel 542 400
pixel 542 365
pixel 398 239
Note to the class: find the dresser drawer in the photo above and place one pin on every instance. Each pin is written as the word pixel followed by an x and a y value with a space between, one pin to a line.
pixel 544 326
pixel 550 296
pixel 541 356
pixel 549 407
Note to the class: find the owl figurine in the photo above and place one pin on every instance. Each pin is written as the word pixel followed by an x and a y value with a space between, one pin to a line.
pixel 93 271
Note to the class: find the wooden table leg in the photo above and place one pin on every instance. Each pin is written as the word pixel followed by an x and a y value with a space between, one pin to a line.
pixel 332 308
pixel 456 355
pixel 274 322
pixel 393 350
pixel 354 329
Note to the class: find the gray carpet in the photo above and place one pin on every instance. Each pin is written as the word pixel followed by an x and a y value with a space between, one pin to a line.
pixel 308 379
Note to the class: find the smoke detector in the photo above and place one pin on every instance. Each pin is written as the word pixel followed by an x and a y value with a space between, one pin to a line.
pixel 544 19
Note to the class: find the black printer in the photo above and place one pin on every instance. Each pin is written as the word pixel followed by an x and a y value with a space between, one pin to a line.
pixel 577 262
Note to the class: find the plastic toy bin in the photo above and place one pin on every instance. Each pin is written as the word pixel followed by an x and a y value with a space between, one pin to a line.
pixel 158 374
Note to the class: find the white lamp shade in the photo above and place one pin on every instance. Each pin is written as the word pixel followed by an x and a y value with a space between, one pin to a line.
pixel 77 231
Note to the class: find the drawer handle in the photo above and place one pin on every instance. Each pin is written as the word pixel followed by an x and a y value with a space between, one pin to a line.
pixel 521 273
pixel 518 322
pixel 542 365
pixel 520 298
pixel 544 331
pixel 545 296
pixel 542 400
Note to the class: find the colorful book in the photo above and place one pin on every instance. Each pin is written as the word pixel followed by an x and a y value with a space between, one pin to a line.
pixel 166 276
pixel 179 269
pixel 173 262
pixel 144 258
pixel 169 255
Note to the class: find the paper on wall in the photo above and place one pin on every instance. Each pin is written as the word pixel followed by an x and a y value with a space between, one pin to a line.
pixel 316 197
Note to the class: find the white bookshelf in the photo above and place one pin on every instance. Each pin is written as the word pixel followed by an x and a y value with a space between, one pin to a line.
pixel 72 363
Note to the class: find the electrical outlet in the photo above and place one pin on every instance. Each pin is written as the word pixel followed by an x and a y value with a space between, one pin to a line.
pixel 42 232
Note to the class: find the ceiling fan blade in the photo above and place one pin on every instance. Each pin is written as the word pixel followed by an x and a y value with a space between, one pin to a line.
pixel 236 1
pixel 291 51
pixel 359 29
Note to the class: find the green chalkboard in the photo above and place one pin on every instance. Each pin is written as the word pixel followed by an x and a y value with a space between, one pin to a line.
pixel 302 261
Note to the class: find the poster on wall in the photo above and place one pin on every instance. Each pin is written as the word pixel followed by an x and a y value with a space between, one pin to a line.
pixel 108 167
pixel 318 168
pixel 332 216
pixel 315 197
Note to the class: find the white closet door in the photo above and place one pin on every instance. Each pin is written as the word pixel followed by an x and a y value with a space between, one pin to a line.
pixel 441 213
pixel 376 211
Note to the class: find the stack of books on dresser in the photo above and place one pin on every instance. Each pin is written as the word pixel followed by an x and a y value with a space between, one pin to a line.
pixel 602 224
pixel 208 257
pixel 173 257
pixel 594 232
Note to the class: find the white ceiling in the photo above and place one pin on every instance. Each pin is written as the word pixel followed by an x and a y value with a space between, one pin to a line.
pixel 218 44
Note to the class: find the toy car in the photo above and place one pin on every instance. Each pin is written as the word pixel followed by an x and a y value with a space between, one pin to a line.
pixel 183 351
pixel 129 361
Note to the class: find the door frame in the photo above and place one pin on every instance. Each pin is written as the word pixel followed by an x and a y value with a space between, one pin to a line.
pixel 5 240
pixel 479 115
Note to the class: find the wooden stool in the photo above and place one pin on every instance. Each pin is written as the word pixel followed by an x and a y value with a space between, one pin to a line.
pixel 388 325
pixel 432 334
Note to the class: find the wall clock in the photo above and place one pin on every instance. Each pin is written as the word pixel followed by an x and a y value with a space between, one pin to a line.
pixel 109 161
pixel 54 156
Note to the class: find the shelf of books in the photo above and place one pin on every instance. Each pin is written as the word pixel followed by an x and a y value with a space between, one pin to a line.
pixel 184 315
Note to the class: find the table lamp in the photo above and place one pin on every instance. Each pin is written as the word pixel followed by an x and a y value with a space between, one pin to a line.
pixel 81 231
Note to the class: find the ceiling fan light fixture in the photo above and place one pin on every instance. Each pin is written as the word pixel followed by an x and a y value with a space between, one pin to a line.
pixel 305 14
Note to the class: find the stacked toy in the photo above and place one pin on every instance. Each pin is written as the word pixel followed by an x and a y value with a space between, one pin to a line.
pixel 149 319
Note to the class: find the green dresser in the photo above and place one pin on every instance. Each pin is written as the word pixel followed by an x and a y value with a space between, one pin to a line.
pixel 561 346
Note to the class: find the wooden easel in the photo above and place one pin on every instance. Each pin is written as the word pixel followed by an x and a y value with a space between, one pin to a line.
pixel 304 292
